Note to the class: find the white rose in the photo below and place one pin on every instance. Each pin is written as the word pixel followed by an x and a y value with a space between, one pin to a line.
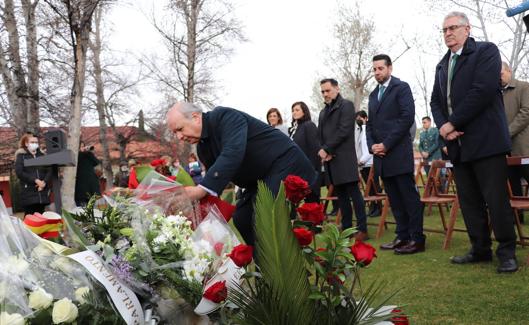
pixel 41 251
pixel 62 264
pixel 17 265
pixel 79 293
pixel 40 299
pixel 11 319
pixel 64 311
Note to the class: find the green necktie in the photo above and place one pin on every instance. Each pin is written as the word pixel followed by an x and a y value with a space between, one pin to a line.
pixel 452 66
pixel 381 89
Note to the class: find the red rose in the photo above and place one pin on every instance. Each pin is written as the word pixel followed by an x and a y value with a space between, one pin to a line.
pixel 363 253
pixel 296 188
pixel 241 255
pixel 303 236
pixel 401 319
pixel 217 292
pixel 312 212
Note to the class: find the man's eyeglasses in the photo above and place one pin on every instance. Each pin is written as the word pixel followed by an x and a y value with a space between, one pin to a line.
pixel 451 28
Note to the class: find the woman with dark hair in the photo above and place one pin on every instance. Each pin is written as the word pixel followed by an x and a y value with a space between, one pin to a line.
pixel 273 117
pixel 34 181
pixel 305 134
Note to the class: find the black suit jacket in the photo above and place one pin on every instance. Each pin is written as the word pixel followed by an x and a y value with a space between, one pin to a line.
pixel 389 123
pixel 306 137
pixel 477 104
pixel 237 147
pixel 336 130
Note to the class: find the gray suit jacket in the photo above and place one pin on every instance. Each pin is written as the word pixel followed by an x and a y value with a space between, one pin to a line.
pixel 516 101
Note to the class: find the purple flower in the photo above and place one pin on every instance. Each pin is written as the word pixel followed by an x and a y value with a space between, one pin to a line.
pixel 121 268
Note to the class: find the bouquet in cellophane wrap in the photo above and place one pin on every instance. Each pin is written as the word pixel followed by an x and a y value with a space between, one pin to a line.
pixel 39 285
pixel 160 245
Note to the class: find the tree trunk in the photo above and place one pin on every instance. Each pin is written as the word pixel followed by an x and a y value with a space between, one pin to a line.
pixel 19 83
pixel 33 116
pixel 101 102
pixel 192 48
pixel 358 93
pixel 74 128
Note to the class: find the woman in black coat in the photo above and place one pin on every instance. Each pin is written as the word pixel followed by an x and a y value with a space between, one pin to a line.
pixel 34 181
pixel 305 134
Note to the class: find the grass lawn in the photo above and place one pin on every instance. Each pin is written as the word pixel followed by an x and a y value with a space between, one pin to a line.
pixel 434 291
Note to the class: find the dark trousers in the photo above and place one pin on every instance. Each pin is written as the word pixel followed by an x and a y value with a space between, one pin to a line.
pixel 293 162
pixel 481 184
pixel 406 206
pixel 351 192
pixel 32 208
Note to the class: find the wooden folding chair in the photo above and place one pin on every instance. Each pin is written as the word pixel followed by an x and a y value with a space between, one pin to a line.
pixel 518 202
pixel 419 176
pixel 378 196
pixel 327 199
pixel 431 196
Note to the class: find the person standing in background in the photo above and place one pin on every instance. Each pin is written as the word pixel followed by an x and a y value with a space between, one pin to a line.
pixel 429 145
pixel 516 102
pixel 34 181
pixel 467 105
pixel 274 119
pixel 338 154
pixel 305 134
pixel 87 182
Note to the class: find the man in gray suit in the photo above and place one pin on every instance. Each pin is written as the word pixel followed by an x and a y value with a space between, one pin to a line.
pixel 516 102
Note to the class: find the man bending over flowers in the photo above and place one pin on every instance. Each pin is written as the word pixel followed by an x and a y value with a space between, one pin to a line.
pixel 239 148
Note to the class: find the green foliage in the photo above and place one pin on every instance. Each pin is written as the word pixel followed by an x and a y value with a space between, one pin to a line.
pixel 280 296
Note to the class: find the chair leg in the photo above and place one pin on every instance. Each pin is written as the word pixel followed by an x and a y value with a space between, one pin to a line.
pixel 451 224
pixel 382 222
pixel 519 227
pixel 441 213
pixel 429 213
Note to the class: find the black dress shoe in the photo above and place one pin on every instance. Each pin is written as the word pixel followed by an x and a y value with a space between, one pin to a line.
pixel 470 258
pixel 508 266
pixel 412 248
pixel 375 213
pixel 396 243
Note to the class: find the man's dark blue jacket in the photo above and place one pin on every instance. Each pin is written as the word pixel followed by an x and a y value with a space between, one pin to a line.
pixel 237 147
pixel 390 120
pixel 477 102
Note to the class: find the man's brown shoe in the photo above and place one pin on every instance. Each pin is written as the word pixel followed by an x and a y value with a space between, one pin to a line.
pixel 394 244
pixel 361 236
pixel 412 248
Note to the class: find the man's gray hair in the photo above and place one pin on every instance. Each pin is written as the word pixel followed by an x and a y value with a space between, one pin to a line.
pixel 463 19
pixel 188 108
pixel 506 65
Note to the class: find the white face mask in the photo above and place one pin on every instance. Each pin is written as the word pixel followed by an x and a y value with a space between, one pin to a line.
pixel 33 146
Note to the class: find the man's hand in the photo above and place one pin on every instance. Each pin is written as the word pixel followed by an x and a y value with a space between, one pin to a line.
pixel 454 135
pixel 445 150
pixel 323 155
pixel 424 154
pixel 195 192
pixel 379 149
pixel 446 129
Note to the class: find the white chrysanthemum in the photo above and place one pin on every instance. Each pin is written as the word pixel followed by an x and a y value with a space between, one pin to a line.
pixel 160 240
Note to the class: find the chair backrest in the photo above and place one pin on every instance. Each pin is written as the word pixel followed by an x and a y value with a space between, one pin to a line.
pixel 371 183
pixel 433 180
pixel 512 162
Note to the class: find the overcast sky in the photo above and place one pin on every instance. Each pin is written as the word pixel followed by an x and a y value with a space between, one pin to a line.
pixel 284 53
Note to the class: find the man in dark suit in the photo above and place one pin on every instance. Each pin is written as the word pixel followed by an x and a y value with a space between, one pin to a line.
pixel 467 105
pixel 336 129
pixel 391 114
pixel 239 148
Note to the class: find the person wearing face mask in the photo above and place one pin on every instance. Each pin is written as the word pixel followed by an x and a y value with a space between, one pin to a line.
pixel 34 181
pixel 122 179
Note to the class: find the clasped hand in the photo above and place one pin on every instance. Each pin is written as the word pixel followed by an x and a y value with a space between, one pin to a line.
pixel 379 149
pixel 324 156
pixel 448 132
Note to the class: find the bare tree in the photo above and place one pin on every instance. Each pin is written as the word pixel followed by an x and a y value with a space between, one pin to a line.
pixel 197 36
pixel 20 75
pixel 78 14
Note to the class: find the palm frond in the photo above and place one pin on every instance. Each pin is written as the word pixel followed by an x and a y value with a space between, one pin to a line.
pixel 281 295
